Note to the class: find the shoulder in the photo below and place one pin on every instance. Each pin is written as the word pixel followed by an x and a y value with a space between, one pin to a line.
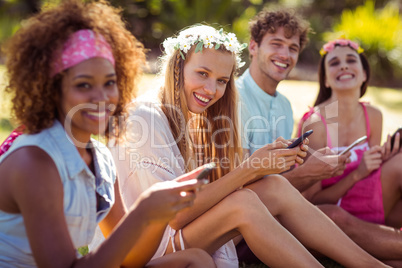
pixel 30 170
pixel 373 112
pixel 282 98
pixel 313 121
pixel 146 109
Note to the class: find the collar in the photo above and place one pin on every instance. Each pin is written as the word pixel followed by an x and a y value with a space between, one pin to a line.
pixel 254 88
pixel 75 163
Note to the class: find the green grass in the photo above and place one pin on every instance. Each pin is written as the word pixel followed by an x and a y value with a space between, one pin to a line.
pixel 300 93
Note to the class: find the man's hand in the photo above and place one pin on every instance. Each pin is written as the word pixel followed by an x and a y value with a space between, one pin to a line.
pixel 324 164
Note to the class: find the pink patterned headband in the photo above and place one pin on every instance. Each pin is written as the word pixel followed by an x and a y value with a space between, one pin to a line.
pixel 80 46
pixel 328 47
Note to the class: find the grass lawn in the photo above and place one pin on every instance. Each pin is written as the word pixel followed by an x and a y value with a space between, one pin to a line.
pixel 300 93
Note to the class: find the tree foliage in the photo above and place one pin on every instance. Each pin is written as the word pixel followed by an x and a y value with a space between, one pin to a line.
pixel 376 24
pixel 379 31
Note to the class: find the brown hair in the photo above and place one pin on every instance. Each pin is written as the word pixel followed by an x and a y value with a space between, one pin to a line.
pixel 30 57
pixel 326 92
pixel 269 21
pixel 175 108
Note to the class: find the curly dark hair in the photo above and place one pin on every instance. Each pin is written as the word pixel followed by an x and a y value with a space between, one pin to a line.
pixel 269 21
pixel 30 58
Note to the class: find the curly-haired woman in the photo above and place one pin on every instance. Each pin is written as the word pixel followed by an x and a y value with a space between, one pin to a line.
pixel 72 70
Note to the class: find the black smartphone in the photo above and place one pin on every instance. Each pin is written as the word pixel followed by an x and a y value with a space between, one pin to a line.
pixel 393 138
pixel 300 139
pixel 356 142
pixel 207 171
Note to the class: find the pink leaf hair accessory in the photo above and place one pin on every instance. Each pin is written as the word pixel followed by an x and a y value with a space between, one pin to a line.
pixel 342 42
pixel 80 46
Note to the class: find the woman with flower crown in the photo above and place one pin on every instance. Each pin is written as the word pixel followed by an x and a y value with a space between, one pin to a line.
pixel 193 121
pixel 72 70
pixel 370 187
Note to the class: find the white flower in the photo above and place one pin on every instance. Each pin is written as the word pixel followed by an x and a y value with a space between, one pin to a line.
pixel 209 37
pixel 185 46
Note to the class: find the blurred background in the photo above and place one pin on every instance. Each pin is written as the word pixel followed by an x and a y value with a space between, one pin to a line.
pixel 376 25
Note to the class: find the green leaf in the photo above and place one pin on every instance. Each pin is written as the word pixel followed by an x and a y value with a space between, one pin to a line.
pixel 199 46
pixel 182 55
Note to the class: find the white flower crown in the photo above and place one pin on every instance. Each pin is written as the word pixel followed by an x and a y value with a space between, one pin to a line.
pixel 204 36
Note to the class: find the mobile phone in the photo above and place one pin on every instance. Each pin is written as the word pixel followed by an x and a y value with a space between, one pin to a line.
pixel 207 171
pixel 356 142
pixel 393 138
pixel 300 139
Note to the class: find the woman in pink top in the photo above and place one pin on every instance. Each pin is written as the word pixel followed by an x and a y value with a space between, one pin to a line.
pixel 371 185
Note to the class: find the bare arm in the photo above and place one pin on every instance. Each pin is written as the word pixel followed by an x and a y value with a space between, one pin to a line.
pixel 265 161
pixel 332 194
pixel 32 178
pixel 140 231
pixel 320 163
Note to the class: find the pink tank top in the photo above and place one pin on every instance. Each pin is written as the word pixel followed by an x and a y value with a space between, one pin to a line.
pixel 364 199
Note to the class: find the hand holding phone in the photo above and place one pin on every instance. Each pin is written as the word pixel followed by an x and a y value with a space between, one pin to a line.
pixel 356 142
pixel 399 130
pixel 207 171
pixel 300 139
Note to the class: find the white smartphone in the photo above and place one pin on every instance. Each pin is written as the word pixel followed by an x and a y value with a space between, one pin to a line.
pixel 356 142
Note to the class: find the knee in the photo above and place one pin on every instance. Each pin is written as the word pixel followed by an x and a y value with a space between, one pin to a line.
pixel 243 203
pixel 243 198
pixel 394 164
pixel 279 187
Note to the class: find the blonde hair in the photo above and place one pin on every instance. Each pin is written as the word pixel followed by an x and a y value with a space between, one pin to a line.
pixel 226 147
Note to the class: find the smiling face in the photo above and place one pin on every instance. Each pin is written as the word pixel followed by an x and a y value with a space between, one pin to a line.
pixel 89 93
pixel 344 69
pixel 274 58
pixel 206 75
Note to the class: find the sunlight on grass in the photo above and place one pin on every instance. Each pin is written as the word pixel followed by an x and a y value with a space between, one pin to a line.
pixel 300 93
pixel 303 93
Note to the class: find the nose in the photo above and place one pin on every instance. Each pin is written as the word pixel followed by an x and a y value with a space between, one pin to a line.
pixel 210 87
pixel 344 66
pixel 100 95
pixel 284 53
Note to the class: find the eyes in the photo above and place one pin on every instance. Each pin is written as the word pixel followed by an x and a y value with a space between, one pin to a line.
pixel 336 62
pixel 87 85
pixel 292 48
pixel 221 81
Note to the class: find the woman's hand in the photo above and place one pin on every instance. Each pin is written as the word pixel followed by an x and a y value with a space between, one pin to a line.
pixel 303 148
pixel 386 151
pixel 273 158
pixel 162 201
pixel 372 160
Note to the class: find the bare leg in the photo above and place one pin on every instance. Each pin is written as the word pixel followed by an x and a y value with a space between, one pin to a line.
pixel 308 224
pixel 242 212
pixel 381 241
pixel 193 257
pixel 391 180
pixel 394 217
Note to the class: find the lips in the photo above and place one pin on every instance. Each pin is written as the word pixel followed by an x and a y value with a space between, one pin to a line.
pixel 201 99
pixel 345 77
pixel 280 64
pixel 97 115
